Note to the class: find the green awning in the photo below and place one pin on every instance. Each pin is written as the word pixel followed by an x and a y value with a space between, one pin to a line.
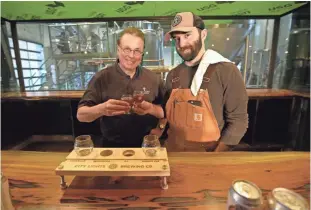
pixel 61 10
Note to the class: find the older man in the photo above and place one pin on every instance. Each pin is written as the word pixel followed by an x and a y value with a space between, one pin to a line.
pixel 206 100
pixel 102 99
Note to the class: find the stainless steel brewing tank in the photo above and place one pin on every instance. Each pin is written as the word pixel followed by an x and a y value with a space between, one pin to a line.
pixel 298 60
pixel 153 52
pixel 299 44
pixel 113 35
pixel 153 47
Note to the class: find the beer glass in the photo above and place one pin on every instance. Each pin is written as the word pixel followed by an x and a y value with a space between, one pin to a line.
pixel 128 98
pixel 83 145
pixel 151 145
pixel 138 96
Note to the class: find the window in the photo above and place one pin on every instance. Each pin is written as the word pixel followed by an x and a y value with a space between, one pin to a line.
pixel 25 64
pixel 12 53
pixel 22 44
pixel 75 51
pixel 32 58
pixel 24 54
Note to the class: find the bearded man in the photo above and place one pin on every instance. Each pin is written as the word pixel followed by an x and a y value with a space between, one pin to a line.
pixel 206 100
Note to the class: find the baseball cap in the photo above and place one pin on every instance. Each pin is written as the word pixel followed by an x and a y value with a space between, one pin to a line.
pixel 185 22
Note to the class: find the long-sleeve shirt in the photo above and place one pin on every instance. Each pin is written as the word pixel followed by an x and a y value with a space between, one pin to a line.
pixel 228 98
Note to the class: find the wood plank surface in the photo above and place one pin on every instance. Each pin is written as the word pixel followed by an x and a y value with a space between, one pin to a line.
pixel 197 181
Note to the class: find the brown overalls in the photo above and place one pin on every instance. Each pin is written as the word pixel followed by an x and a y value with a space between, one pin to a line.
pixel 191 127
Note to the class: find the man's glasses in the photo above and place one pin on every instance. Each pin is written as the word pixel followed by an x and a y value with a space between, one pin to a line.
pixel 127 51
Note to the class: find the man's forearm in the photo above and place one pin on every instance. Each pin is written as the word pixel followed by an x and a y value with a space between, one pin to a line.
pixel 222 147
pixel 160 127
pixel 232 134
pixel 157 111
pixel 89 114
pixel 234 131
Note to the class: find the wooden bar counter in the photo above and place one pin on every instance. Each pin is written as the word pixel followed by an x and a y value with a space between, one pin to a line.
pixel 50 95
pixel 197 181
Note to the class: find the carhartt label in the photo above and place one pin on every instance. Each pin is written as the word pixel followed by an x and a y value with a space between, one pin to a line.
pixel 197 117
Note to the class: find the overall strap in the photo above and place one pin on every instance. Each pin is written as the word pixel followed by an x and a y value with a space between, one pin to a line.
pixel 207 76
pixel 175 80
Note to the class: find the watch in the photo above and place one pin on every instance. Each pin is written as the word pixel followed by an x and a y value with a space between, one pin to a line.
pixel 162 123
pixel 161 126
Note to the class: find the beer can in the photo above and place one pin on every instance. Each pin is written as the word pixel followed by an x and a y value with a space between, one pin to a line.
pixel 284 199
pixel 6 202
pixel 244 195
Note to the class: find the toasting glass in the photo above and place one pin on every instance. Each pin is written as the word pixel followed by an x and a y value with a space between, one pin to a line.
pixel 151 145
pixel 138 96
pixel 83 145
pixel 128 98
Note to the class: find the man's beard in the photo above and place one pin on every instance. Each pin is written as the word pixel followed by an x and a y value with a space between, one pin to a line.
pixel 194 50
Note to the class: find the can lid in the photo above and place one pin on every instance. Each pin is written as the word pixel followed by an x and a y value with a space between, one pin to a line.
pixel 290 199
pixel 3 178
pixel 247 189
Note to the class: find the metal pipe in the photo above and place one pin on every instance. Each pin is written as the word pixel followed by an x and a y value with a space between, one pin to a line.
pixel 245 58
pixel 258 76
pixel 50 38
pixel 79 42
pixel 275 38
pixel 6 49
pixel 266 35
pixel 107 34
pixel 116 24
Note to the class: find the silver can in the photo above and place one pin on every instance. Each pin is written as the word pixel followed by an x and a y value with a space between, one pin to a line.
pixel 244 195
pixel 6 202
pixel 284 199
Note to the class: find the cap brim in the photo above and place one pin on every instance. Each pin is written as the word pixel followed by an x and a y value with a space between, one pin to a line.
pixel 167 36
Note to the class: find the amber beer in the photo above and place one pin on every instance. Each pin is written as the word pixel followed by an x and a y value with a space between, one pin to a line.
pixel 129 99
pixel 284 199
pixel 138 96
pixel 244 195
